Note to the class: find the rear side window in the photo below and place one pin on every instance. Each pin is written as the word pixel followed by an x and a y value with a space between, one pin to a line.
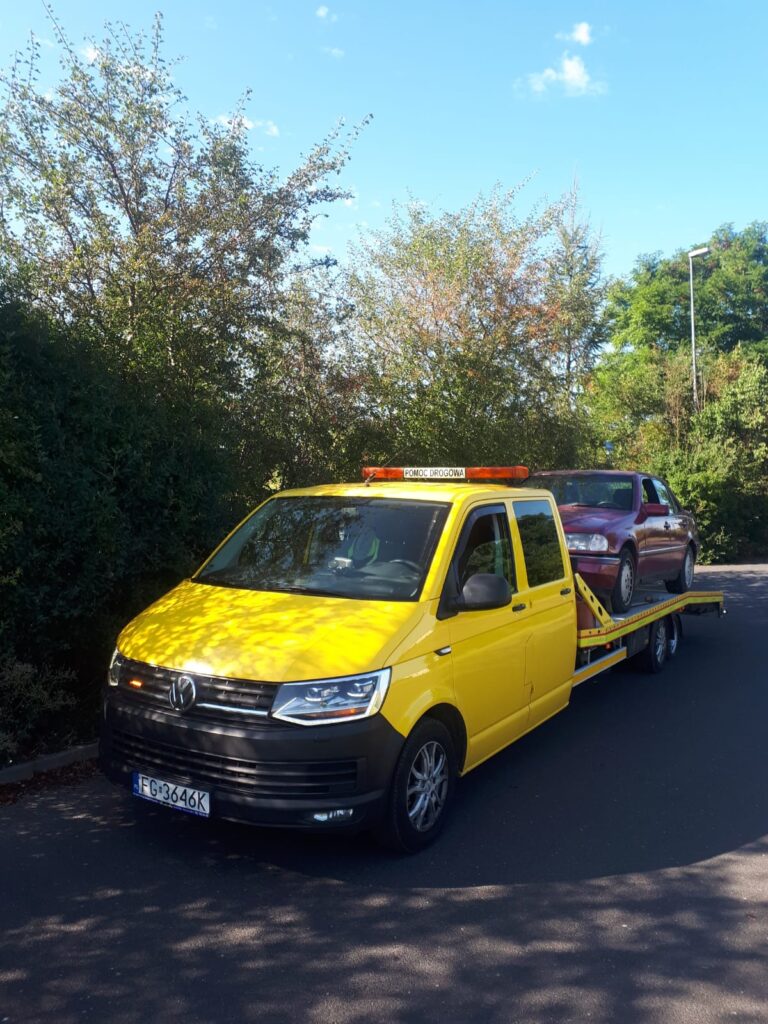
pixel 665 496
pixel 541 544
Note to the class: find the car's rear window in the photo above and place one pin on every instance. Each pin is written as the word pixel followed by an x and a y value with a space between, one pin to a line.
pixel 591 490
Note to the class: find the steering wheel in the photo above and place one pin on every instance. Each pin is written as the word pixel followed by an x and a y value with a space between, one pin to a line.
pixel 405 561
pixel 607 504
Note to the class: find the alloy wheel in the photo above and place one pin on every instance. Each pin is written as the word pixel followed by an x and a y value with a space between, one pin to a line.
pixel 427 789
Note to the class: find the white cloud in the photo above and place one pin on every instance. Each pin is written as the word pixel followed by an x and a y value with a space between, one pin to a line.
pixel 572 76
pixel 581 33
pixel 322 12
pixel 90 52
pixel 240 121
pixel 333 51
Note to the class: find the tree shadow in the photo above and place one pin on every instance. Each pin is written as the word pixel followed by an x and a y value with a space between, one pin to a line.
pixel 568 887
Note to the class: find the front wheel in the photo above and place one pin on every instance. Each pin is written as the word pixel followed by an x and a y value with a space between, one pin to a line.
pixel 684 579
pixel 422 789
pixel 624 587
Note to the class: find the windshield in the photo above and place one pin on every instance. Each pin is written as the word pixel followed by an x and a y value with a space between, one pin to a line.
pixel 369 548
pixel 590 490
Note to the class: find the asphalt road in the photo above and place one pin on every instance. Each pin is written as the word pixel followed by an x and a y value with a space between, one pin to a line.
pixel 610 867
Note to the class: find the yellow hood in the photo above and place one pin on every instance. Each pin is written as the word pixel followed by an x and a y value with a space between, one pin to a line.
pixel 260 635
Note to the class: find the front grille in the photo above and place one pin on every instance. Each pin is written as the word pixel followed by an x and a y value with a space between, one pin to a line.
pixel 218 699
pixel 289 780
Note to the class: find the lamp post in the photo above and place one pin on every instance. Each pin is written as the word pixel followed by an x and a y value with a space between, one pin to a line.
pixel 694 252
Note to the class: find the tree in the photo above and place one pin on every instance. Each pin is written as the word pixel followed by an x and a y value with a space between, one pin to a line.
pixel 652 307
pixel 575 293
pixel 454 336
pixel 155 235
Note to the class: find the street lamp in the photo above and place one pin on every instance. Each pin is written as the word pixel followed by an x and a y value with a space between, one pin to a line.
pixel 694 252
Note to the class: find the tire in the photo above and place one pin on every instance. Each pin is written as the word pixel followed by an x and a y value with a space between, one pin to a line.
pixel 675 635
pixel 654 657
pixel 427 762
pixel 684 579
pixel 624 587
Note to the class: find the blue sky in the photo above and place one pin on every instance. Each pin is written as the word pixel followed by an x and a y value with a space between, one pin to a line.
pixel 657 110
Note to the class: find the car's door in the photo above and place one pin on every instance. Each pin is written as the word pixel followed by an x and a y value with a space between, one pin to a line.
pixel 676 531
pixel 551 606
pixel 488 647
pixel 653 535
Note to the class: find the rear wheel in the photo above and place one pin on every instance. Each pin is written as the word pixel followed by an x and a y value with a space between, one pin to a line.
pixel 684 579
pixel 675 631
pixel 654 656
pixel 624 587
pixel 422 789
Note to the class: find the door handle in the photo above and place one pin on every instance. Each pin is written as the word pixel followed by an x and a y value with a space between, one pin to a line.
pixel 564 591
pixel 518 607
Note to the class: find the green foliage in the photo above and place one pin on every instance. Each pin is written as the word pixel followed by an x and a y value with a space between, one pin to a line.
pixel 652 308
pixel 716 460
pixel 108 494
pixel 35 708
pixel 455 341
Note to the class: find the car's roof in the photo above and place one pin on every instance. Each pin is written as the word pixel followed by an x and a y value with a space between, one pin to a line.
pixel 442 491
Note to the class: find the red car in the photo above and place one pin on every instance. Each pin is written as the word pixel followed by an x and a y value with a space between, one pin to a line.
pixel 622 528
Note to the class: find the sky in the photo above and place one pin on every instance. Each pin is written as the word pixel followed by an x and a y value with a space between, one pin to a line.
pixel 657 110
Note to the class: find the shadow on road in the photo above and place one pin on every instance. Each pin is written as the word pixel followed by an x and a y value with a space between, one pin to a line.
pixel 538 889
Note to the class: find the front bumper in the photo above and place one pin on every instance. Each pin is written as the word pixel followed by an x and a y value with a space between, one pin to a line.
pixel 263 773
pixel 598 572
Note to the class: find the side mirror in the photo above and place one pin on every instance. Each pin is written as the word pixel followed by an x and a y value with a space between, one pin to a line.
pixel 482 591
pixel 650 508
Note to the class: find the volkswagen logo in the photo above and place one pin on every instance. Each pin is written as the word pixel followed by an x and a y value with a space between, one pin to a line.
pixel 182 693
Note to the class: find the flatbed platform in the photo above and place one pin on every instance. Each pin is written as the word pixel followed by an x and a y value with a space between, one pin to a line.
pixel 649 606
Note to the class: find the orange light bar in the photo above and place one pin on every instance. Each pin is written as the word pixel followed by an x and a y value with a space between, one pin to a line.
pixel 499 473
pixel 382 473
pixel 135 683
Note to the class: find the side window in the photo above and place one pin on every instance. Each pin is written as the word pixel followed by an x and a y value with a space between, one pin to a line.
pixel 486 546
pixel 541 544
pixel 649 492
pixel 664 496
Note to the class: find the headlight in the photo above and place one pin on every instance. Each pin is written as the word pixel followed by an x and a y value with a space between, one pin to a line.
pixel 323 701
pixel 113 676
pixel 587 542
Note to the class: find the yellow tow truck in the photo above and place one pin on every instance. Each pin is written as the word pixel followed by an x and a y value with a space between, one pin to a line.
pixel 350 650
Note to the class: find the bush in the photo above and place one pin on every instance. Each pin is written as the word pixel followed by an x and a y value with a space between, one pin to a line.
pixel 35 709
pixel 109 494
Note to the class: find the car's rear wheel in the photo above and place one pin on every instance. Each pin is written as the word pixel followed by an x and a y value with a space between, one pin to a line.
pixel 655 654
pixel 675 635
pixel 422 789
pixel 684 579
pixel 624 587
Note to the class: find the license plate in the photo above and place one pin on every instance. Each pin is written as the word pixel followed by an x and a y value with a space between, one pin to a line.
pixel 181 798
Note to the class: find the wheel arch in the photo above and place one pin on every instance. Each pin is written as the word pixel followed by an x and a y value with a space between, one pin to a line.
pixel 450 716
pixel 630 545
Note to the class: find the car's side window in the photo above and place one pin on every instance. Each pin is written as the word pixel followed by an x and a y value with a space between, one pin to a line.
pixel 664 496
pixel 485 546
pixel 541 543
pixel 649 492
